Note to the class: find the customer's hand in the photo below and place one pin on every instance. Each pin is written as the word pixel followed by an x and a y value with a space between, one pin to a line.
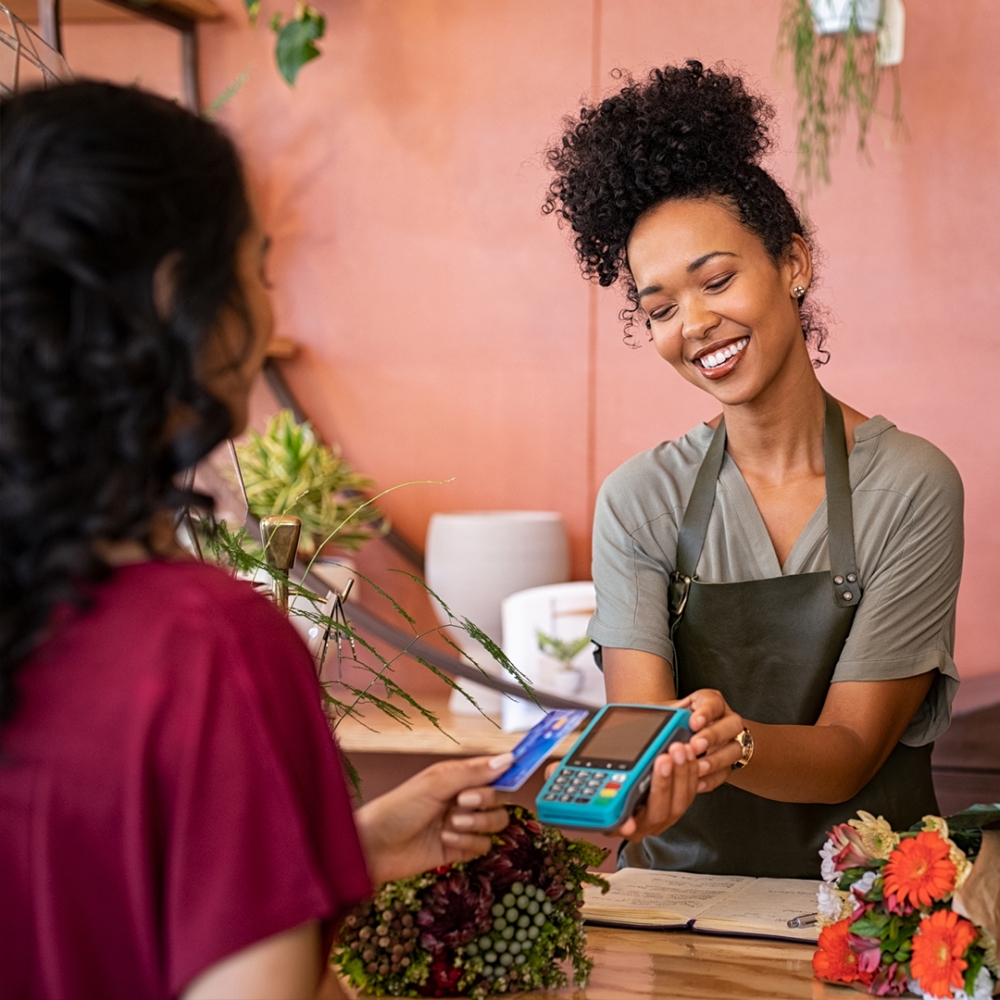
pixel 445 813
pixel 716 727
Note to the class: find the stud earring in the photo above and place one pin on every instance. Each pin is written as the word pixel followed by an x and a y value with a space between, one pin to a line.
pixel 798 292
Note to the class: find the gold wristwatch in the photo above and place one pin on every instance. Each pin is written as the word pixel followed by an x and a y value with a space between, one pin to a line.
pixel 745 740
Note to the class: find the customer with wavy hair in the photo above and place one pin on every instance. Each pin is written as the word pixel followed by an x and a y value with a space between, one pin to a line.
pixel 173 814
pixel 792 553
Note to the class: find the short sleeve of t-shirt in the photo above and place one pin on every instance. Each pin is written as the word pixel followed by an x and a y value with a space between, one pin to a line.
pixel 177 793
pixel 260 831
pixel 907 500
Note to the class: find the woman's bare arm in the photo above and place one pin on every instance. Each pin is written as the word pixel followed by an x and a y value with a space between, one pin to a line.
pixel 829 762
pixel 287 966
pixel 833 760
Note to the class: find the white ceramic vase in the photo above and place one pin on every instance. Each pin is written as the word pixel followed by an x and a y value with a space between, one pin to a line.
pixel 831 16
pixel 474 560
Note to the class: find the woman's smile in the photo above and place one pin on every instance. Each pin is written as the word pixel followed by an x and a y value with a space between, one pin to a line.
pixel 718 360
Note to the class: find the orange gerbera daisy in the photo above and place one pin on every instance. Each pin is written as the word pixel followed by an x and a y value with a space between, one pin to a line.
pixel 938 946
pixel 919 871
pixel 833 960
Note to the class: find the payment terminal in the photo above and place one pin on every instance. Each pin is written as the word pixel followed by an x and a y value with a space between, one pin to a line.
pixel 607 773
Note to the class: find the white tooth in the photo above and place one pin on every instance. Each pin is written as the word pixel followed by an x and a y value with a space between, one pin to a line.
pixel 719 357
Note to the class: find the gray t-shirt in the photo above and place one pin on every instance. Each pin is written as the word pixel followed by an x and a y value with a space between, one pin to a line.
pixel 907 499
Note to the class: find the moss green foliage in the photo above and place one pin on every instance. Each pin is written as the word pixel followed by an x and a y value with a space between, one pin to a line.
pixel 834 75
pixel 501 923
pixel 287 470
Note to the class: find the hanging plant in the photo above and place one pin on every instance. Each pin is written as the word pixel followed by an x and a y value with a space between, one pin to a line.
pixel 297 37
pixel 840 50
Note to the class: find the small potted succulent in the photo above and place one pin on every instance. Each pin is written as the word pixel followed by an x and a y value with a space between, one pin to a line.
pixel 568 679
pixel 841 51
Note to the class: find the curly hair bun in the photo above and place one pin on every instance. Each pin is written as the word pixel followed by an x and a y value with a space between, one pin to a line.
pixel 684 132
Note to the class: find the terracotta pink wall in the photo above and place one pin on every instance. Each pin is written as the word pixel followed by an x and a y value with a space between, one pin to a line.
pixel 446 331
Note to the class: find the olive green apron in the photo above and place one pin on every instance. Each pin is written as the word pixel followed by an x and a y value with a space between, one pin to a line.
pixel 771 646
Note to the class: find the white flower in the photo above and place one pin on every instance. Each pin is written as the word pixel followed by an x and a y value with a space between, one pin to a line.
pixel 981 990
pixel 827 853
pixel 865 883
pixel 829 903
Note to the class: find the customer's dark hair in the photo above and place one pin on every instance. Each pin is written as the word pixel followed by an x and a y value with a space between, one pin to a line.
pixel 685 132
pixel 99 185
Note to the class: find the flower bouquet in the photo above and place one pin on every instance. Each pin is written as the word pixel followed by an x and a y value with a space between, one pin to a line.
pixel 500 923
pixel 887 908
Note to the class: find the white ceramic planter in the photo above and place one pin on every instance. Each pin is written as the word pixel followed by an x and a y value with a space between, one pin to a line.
pixel 831 16
pixel 562 611
pixel 475 560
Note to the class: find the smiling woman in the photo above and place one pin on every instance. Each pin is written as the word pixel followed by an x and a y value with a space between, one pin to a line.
pixel 797 556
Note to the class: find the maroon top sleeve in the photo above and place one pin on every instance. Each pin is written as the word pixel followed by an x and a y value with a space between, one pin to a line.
pixel 170 792
pixel 260 836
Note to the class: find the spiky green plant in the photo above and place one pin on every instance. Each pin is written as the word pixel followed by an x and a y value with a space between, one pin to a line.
pixel 287 470
pixel 834 74
pixel 342 696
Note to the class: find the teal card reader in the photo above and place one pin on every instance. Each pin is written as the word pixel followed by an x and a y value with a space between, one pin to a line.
pixel 607 773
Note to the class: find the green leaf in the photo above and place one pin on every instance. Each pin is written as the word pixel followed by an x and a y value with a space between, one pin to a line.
pixel 253 9
pixel 560 649
pixel 297 42
pixel 227 95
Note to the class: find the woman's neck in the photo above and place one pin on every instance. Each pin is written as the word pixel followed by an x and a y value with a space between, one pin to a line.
pixel 779 434
pixel 161 543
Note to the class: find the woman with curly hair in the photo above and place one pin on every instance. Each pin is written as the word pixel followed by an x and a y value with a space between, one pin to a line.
pixel 796 555
pixel 173 814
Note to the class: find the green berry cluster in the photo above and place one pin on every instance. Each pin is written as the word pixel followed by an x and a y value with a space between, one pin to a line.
pixel 518 919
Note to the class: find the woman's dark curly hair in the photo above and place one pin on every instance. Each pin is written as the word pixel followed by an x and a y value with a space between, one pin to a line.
pixel 99 185
pixel 686 132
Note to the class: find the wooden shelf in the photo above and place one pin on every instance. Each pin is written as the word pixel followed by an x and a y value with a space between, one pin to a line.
pixel 99 12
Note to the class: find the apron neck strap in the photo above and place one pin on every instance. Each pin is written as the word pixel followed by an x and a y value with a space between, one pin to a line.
pixel 840 515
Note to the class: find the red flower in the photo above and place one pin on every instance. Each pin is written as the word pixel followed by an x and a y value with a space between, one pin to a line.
pixel 442 979
pixel 850 851
pixel 919 871
pixel 941 941
pixel 833 960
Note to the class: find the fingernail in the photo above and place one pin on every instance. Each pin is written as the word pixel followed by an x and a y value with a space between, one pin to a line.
pixel 450 836
pixel 704 767
pixel 461 820
pixel 502 762
pixel 470 800
pixel 702 785
pixel 664 767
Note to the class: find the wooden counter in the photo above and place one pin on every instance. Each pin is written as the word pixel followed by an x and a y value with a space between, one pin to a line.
pixel 674 966
pixel 463 735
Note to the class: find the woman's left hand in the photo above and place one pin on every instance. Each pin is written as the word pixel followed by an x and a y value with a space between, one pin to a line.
pixel 716 727
pixel 443 814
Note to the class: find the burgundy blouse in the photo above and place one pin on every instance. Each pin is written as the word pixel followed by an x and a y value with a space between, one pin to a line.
pixel 169 792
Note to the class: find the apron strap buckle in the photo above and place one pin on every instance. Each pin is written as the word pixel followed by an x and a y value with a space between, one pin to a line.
pixel 846 589
pixel 678 591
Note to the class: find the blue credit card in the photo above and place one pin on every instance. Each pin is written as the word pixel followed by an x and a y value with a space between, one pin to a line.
pixel 537 745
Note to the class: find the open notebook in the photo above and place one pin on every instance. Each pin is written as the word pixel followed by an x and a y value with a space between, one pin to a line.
pixel 711 904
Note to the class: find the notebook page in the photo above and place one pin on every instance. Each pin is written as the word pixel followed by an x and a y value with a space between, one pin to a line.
pixel 763 906
pixel 642 896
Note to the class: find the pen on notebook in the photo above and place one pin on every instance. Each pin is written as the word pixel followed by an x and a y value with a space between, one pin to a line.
pixel 805 920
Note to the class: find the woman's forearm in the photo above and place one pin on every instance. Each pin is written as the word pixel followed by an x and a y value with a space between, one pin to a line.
pixel 805 763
